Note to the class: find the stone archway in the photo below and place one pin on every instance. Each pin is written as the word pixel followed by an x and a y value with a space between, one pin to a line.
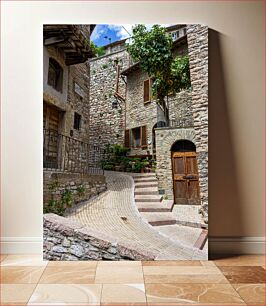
pixel 165 138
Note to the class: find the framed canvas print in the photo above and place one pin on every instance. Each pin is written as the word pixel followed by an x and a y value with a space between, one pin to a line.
pixel 125 142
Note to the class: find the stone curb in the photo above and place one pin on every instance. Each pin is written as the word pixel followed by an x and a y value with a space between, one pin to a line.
pixel 104 245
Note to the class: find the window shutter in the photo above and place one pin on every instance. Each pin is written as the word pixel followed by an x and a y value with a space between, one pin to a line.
pixel 144 136
pixel 146 94
pixel 127 138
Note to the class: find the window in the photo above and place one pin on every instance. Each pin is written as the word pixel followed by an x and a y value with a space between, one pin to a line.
pixel 175 35
pixel 147 91
pixel 55 75
pixel 136 137
pixel 77 121
pixel 185 31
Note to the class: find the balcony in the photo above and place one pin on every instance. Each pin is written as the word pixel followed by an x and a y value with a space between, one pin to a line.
pixel 73 40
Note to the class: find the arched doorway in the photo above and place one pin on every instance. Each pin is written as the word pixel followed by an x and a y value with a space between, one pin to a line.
pixel 185 173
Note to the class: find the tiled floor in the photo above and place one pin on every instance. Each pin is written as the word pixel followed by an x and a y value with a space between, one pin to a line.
pixel 27 280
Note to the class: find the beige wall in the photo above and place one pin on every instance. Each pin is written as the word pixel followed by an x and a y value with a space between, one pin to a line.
pixel 236 105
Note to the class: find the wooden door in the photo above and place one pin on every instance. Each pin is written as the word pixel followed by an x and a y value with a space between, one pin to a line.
pixel 51 119
pixel 185 178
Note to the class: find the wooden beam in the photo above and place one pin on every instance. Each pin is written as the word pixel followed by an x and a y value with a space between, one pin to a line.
pixel 53 40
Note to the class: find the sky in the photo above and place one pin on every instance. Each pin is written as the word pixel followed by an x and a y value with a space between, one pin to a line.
pixel 103 34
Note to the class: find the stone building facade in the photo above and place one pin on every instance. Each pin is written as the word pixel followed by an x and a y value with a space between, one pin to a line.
pixel 107 104
pixel 198 60
pixel 65 86
pixel 66 150
pixel 139 122
pixel 188 121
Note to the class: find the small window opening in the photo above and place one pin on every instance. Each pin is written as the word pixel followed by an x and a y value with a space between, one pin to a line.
pixel 55 75
pixel 77 121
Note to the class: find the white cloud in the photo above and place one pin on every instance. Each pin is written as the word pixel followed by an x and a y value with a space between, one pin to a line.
pixel 99 30
pixel 122 31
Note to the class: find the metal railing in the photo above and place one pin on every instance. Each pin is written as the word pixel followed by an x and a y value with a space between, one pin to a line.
pixel 66 154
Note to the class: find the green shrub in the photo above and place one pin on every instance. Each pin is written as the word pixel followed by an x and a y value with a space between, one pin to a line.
pixel 80 190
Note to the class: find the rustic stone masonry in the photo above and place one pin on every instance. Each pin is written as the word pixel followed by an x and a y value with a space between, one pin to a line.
pixel 139 113
pixel 68 240
pixel 57 183
pixel 198 61
pixel 78 99
pixel 107 123
pixel 180 106
pixel 165 138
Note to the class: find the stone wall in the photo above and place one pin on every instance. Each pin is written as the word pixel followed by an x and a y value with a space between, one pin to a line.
pixel 107 124
pixel 78 99
pixel 198 61
pixel 59 98
pixel 72 98
pixel 68 240
pixel 139 113
pixel 55 184
pixel 165 138
pixel 180 106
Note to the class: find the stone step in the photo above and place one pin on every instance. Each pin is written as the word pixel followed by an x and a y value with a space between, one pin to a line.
pixel 140 175
pixel 148 198
pixel 146 190
pixel 186 235
pixel 145 180
pixel 146 184
pixel 168 203
pixel 152 207
pixel 158 218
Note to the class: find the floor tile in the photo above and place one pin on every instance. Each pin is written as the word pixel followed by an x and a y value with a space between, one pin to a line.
pixel 68 275
pixel 192 293
pixel 121 272
pixel 21 275
pixel 16 293
pixel 251 293
pixel 24 260
pixel 123 293
pixel 248 274
pixel 243 260
pixel 66 294
pixel 172 263
pixel 183 274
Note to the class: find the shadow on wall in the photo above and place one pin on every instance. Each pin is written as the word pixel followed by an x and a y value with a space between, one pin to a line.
pixel 224 192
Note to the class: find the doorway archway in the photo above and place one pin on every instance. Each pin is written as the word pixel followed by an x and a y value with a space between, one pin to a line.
pixel 185 172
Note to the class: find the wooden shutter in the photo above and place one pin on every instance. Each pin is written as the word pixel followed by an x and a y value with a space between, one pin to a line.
pixel 146 94
pixel 143 135
pixel 127 138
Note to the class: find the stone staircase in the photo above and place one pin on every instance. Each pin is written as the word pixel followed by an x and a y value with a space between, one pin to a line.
pixel 150 204
pixel 161 213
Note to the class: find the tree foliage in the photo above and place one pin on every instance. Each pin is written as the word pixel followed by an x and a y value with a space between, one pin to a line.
pixel 153 50
pixel 98 51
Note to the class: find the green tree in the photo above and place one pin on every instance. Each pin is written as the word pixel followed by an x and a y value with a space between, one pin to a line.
pixel 99 51
pixel 153 50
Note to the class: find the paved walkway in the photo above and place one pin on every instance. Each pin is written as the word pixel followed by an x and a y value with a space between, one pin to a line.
pixel 114 212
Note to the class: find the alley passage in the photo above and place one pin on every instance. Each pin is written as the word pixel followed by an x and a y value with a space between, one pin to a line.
pixel 114 213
